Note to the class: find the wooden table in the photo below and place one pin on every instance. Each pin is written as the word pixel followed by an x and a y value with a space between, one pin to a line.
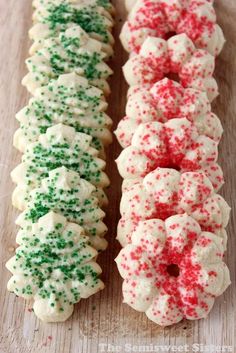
pixel 103 318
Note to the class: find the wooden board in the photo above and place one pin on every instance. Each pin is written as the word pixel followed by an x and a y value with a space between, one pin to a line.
pixel 103 319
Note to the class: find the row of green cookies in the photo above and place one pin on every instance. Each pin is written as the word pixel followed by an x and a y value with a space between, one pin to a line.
pixel 63 133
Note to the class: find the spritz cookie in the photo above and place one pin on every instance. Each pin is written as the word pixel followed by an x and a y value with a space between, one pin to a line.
pixel 64 192
pixel 172 270
pixel 162 18
pixel 69 100
pixel 60 146
pixel 55 18
pixel 72 51
pixel 177 56
pixel 175 144
pixel 166 100
pixel 166 192
pixel 54 266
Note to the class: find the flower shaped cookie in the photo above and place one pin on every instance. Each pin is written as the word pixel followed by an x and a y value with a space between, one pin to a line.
pixel 162 18
pixel 54 266
pixel 175 144
pixel 176 56
pixel 166 192
pixel 172 270
pixel 166 100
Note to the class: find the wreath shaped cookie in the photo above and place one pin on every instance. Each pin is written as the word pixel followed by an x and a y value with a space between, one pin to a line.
pixel 161 18
pixel 167 192
pixel 166 100
pixel 175 144
pixel 176 56
pixel 172 270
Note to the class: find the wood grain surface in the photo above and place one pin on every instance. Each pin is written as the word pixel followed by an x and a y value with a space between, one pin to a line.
pixel 103 319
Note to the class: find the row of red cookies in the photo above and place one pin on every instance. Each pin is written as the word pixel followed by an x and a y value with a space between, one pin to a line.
pixel 63 134
pixel 172 225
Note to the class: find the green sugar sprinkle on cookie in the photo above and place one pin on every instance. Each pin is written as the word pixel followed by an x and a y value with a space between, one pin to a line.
pixel 54 262
pixel 71 103
pixel 64 192
pixel 75 154
pixel 87 18
pixel 72 51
